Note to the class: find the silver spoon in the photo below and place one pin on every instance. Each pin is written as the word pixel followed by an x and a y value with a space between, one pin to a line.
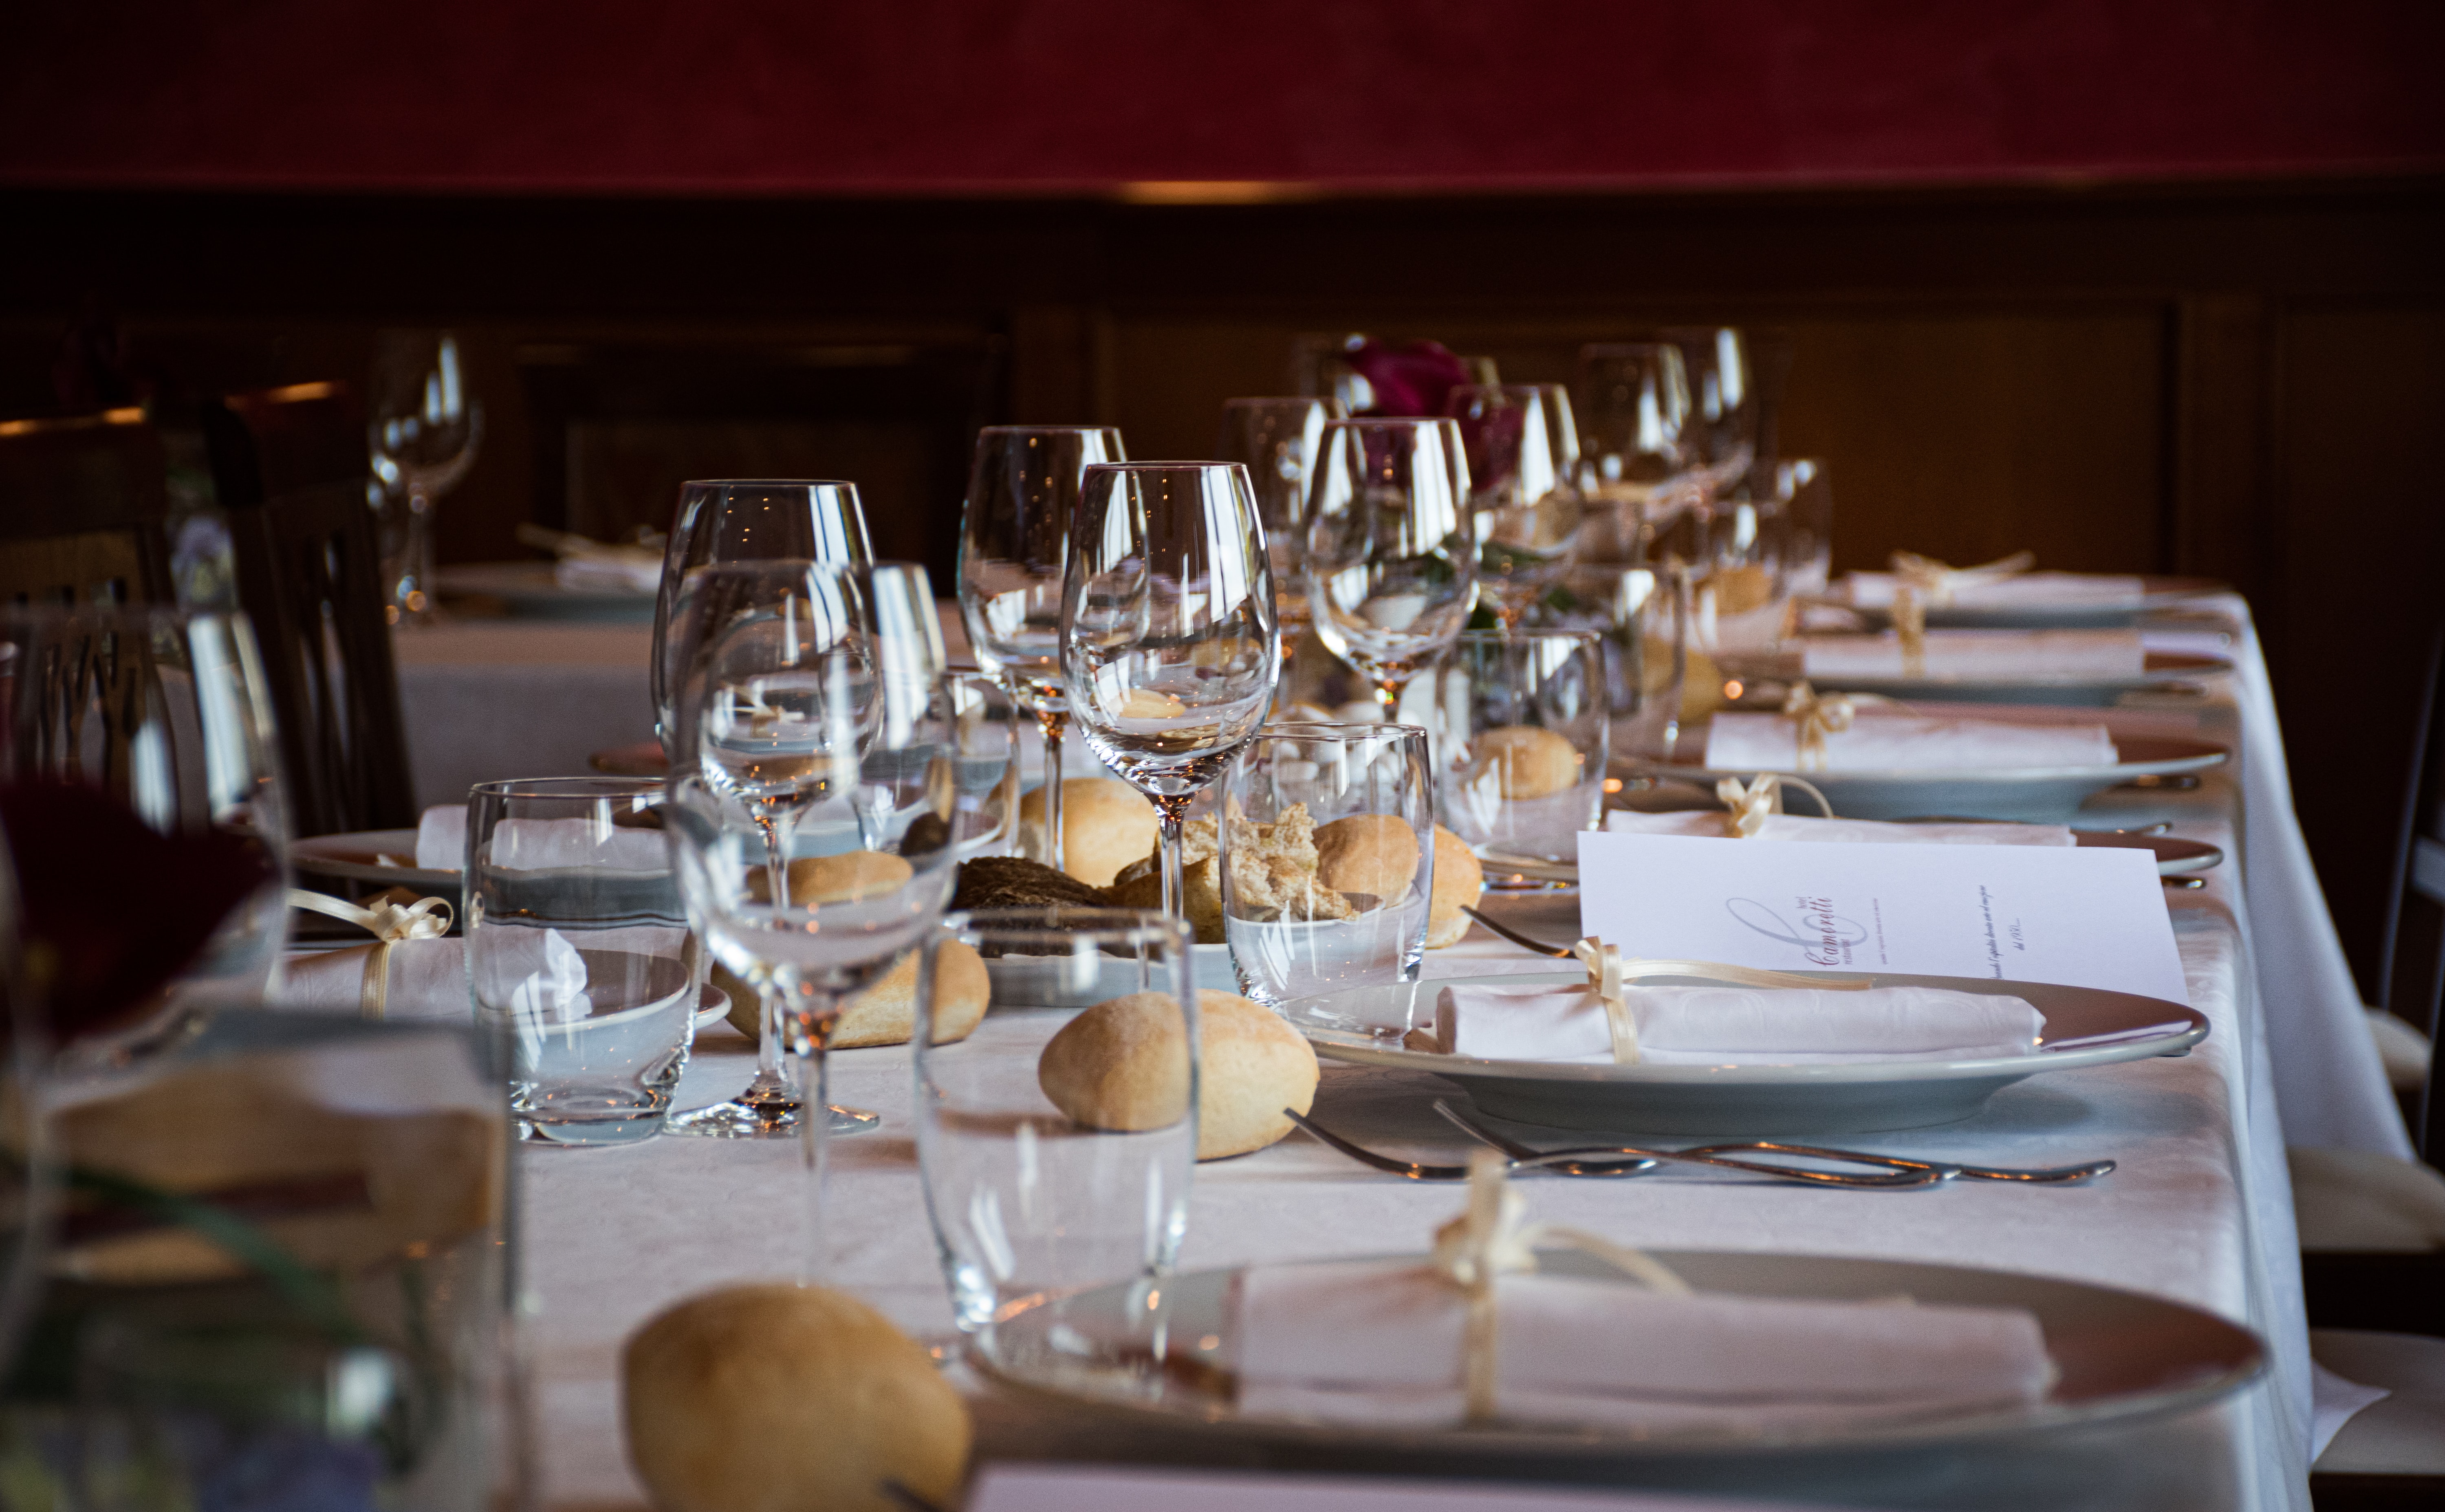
pixel 1421 1172
pixel 1921 1174
pixel 1571 1163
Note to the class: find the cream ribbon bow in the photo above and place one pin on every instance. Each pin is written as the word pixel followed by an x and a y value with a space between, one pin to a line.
pixel 1492 1238
pixel 1938 581
pixel 1818 716
pixel 1609 976
pixel 390 924
pixel 1909 623
pixel 1747 804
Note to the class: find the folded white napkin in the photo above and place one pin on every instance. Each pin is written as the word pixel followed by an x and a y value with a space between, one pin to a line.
pixel 536 844
pixel 1874 590
pixel 1972 654
pixel 607 573
pixel 428 979
pixel 539 973
pixel 1711 823
pixel 1894 743
pixel 1381 1341
pixel 1735 1026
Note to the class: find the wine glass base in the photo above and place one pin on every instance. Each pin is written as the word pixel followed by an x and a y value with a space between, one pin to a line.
pixel 774 1119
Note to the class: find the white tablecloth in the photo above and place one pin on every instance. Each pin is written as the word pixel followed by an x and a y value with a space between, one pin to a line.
pixel 486 699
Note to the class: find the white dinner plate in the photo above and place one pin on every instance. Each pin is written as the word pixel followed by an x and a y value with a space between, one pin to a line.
pixel 2024 794
pixel 2174 856
pixel 2156 592
pixel 1363 1025
pixel 2121 1356
pixel 528 590
pixel 358 855
pixel 1768 679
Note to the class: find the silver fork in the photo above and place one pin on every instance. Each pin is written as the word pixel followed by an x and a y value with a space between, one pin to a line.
pixel 1514 937
pixel 1627 1161
pixel 1897 1177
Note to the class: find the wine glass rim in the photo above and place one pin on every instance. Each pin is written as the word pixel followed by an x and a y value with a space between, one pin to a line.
pixel 1184 465
pixel 1100 925
pixel 589 787
pixel 769 482
pixel 1344 729
pixel 1048 430
pixel 1391 421
pixel 1528 633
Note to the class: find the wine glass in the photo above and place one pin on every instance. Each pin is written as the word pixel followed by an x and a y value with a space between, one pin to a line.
pixel 1013 547
pixel 738 520
pixel 1169 652
pixel 28 1169
pixel 1634 414
pixel 426 429
pixel 1392 556
pixel 1276 440
pixel 1724 400
pixel 816 681
pixel 1522 449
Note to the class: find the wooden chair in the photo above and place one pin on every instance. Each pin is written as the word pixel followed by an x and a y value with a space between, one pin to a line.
pixel 83 502
pixel 290 467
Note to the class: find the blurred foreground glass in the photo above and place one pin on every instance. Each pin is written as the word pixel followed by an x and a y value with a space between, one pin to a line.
pixel 165 713
pixel 578 953
pixel 743 521
pixel 1034 1200
pixel 1522 451
pixel 1276 440
pixel 1800 533
pixel 1368 793
pixel 1391 558
pixel 28 1172
pixel 425 430
pixel 1023 486
pixel 1521 745
pixel 1169 654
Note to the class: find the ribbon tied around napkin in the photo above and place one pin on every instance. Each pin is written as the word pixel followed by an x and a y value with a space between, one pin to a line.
pixel 390 924
pixel 1609 977
pixel 1937 582
pixel 1491 1237
pixel 1818 716
pixel 1747 804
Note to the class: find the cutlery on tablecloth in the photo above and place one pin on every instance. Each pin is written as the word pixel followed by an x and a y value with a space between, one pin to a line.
pixel 1514 937
pixel 1621 1160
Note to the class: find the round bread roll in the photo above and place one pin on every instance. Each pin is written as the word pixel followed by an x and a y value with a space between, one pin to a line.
pixel 886 1014
pixel 1119 1066
pixel 1371 854
pixel 1532 763
pixel 841 878
pixel 1702 686
pixel 777 1398
pixel 1459 878
pixel 1105 824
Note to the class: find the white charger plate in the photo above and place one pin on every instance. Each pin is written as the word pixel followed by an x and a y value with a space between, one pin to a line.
pixel 2122 1356
pixel 1362 1026
pixel 2162 670
pixel 2025 794
pixel 2156 592
pixel 357 856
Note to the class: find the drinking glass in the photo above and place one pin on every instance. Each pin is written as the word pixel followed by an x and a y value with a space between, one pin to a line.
pixel 161 716
pixel 822 700
pixel 1276 440
pixel 985 759
pixel 1023 486
pixel 1801 531
pixel 579 958
pixel 1724 399
pixel 1523 450
pixel 1168 649
pixel 425 430
pixel 1640 616
pixel 1392 556
pixel 742 520
pixel 1637 454
pixel 1369 791
pixel 1029 1203
pixel 1521 745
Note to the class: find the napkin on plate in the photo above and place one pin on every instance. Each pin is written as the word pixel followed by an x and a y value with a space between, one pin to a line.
pixel 537 844
pixel 1711 824
pixel 1894 743
pixel 1874 590
pixel 541 972
pixel 1734 1026
pixel 1965 655
pixel 1380 1342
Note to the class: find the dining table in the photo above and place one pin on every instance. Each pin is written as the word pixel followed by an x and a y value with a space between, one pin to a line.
pixel 2198 1210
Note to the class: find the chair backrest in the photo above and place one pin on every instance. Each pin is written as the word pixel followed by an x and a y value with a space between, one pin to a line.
pixel 2414 984
pixel 290 466
pixel 82 506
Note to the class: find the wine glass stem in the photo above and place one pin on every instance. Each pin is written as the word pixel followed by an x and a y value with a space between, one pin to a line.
pixel 811 1026
pixel 767 1084
pixel 1171 813
pixel 1050 721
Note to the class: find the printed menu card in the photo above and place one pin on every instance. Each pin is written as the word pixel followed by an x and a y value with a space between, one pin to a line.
pixel 2084 918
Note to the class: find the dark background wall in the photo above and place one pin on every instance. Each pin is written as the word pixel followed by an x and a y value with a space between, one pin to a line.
pixel 2140 286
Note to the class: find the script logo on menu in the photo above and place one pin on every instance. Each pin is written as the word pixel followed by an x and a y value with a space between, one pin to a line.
pixel 1824 937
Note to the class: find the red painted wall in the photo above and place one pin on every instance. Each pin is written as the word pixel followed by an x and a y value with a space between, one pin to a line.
pixel 940 95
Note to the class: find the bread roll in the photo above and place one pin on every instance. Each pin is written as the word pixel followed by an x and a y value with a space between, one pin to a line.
pixel 1702 688
pixel 886 1014
pixel 1459 878
pixel 1105 826
pixel 1119 1066
pixel 1372 853
pixel 778 1398
pixel 841 878
pixel 1530 762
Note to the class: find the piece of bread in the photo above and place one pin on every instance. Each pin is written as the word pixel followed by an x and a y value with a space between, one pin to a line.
pixel 1139 885
pixel 1702 688
pixel 1274 871
pixel 1015 882
pixel 1105 826
pixel 1528 762
pixel 766 1398
pixel 1119 1066
pixel 841 878
pixel 1375 855
pixel 1459 878
pixel 886 1014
